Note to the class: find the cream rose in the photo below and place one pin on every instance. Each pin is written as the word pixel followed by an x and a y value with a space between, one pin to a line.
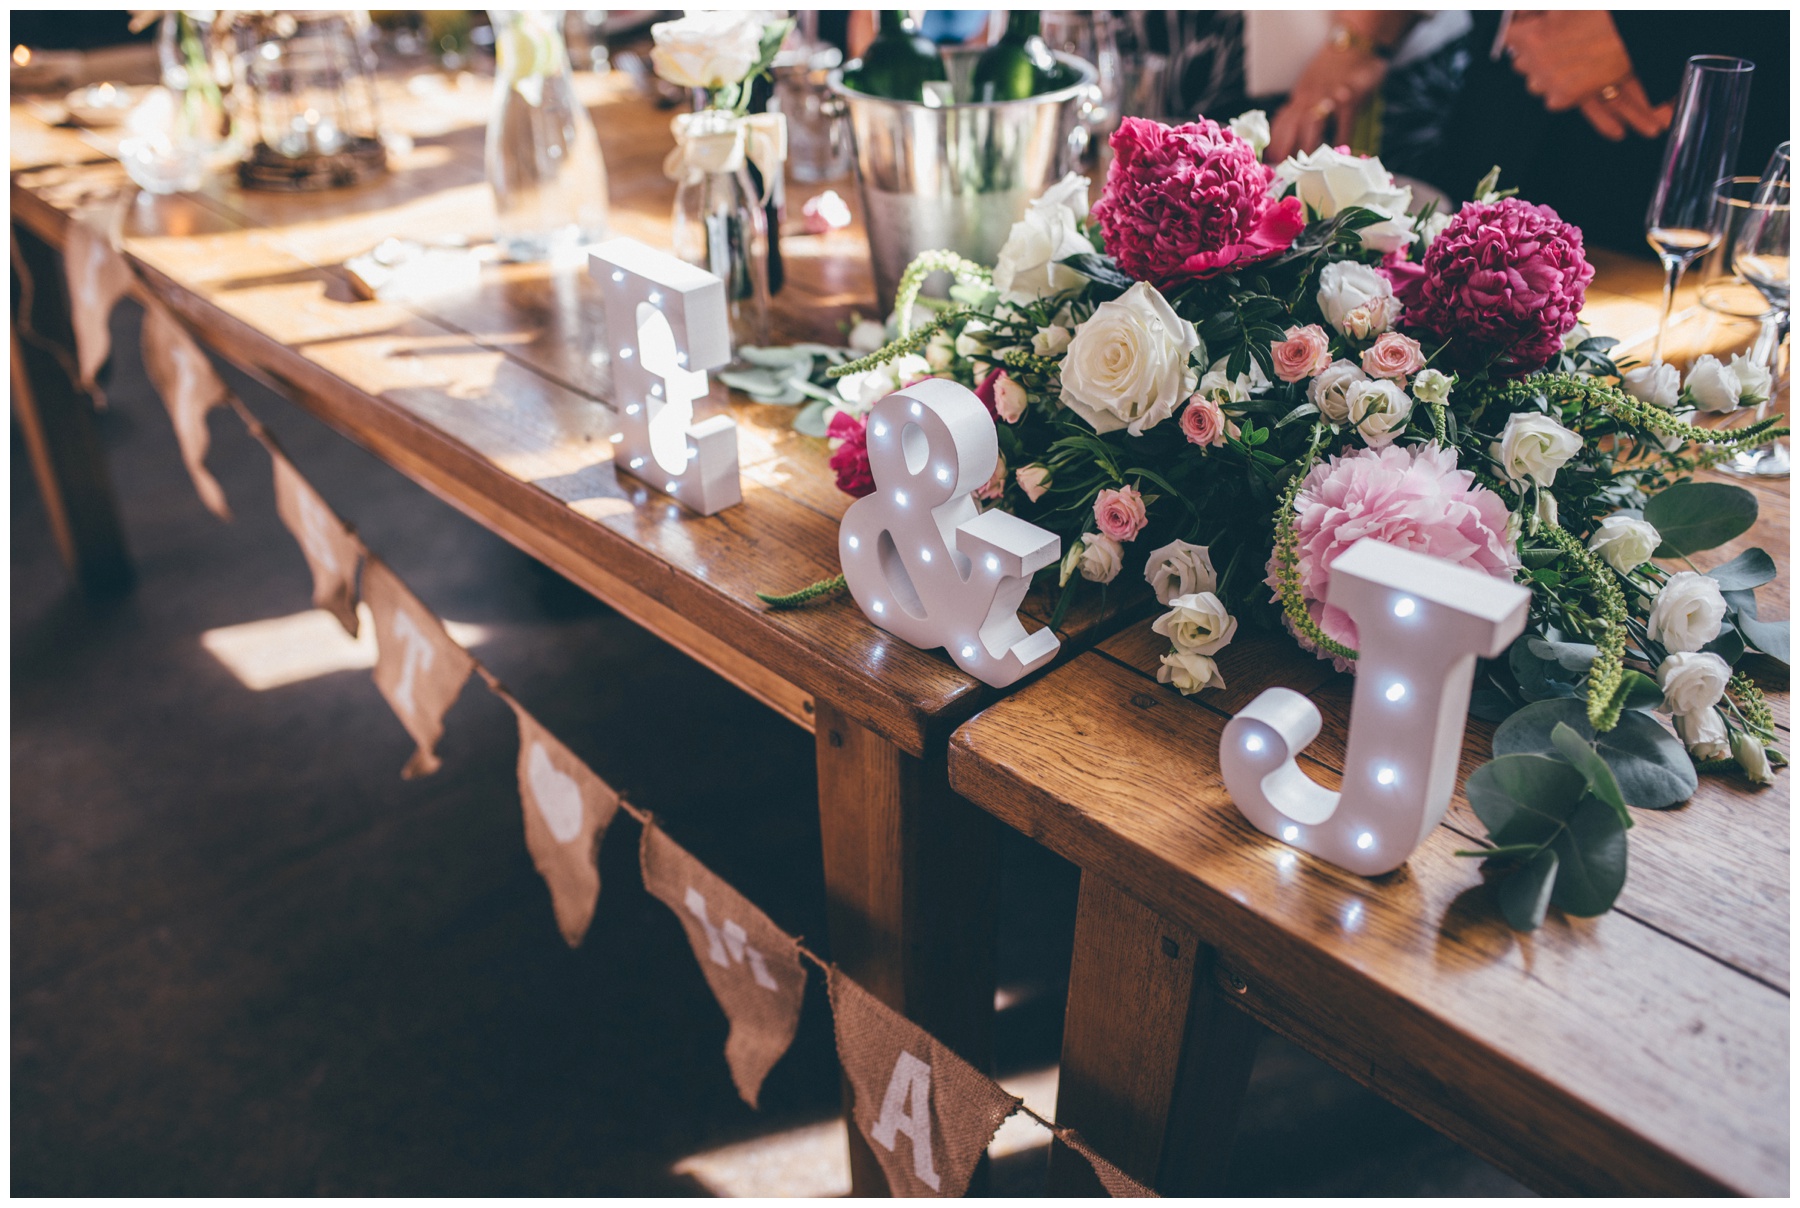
pixel 1658 384
pixel 1027 267
pixel 1692 681
pixel 1198 623
pixel 1747 749
pixel 1712 386
pixel 1379 409
pixel 1129 364
pixel 1688 613
pixel 1034 480
pixel 1180 569
pixel 1101 559
pixel 1625 542
pixel 1330 390
pixel 1704 734
pixel 706 50
pixel 1533 447
pixel 1253 127
pixel 1189 672
pixel 1330 181
pixel 1356 300
pixel 1051 341
pixel 1432 386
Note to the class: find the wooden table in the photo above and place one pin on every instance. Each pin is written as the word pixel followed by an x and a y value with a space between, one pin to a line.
pixel 496 403
pixel 1644 1052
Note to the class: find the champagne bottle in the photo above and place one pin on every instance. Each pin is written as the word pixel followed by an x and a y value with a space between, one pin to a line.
pixel 899 62
pixel 1018 65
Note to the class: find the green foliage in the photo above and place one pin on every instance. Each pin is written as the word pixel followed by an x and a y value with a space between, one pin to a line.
pixel 1697 516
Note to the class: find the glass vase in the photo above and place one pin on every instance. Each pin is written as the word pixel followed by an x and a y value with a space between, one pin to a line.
pixel 720 226
pixel 543 158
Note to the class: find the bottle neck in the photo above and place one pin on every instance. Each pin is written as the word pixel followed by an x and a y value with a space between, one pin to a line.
pixel 897 21
pixel 1021 27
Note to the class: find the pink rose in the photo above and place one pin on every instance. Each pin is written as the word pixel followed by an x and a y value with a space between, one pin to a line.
pixel 851 460
pixel 1034 480
pixel 1203 422
pixel 996 483
pixel 1120 513
pixel 1305 353
pixel 1393 356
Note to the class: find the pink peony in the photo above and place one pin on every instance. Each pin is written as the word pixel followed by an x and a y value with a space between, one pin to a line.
pixel 1306 352
pixel 1203 423
pixel 851 458
pixel 1505 281
pixel 1120 513
pixel 1412 496
pixel 1190 201
pixel 1393 356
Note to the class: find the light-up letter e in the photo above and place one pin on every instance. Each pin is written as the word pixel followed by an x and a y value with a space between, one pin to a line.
pixel 923 561
pixel 666 320
pixel 1420 623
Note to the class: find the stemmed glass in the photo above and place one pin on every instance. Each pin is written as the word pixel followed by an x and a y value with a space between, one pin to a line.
pixel 1760 256
pixel 1686 217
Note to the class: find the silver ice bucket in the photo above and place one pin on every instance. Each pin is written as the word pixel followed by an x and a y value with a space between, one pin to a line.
pixel 957 176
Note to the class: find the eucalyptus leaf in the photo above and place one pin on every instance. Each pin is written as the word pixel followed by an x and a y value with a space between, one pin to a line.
pixel 1641 692
pixel 1590 856
pixel 1524 798
pixel 1587 761
pixel 1770 637
pixel 1539 679
pixel 1750 569
pixel 1570 656
pixel 810 420
pixel 1525 893
pixel 1101 270
pixel 1652 769
pixel 1729 645
pixel 1696 516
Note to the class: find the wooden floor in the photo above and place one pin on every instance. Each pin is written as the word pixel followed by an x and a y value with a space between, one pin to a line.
pixel 249 959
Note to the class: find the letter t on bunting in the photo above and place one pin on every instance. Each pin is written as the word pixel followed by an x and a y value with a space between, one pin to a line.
pixel 418 667
pixel 752 965
pixel 330 550
pixel 667 324
pixel 928 1114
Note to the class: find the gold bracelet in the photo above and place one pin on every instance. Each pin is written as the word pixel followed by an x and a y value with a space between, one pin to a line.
pixel 1344 39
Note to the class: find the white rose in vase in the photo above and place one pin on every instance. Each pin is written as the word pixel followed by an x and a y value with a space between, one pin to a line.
pixel 1533 447
pixel 1692 681
pixel 1689 612
pixel 1356 300
pixel 1180 569
pixel 1027 267
pixel 1129 364
pixel 1625 542
pixel 1330 181
pixel 708 49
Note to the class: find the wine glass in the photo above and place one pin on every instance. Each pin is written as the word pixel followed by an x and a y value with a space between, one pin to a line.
pixel 1760 256
pixel 1686 217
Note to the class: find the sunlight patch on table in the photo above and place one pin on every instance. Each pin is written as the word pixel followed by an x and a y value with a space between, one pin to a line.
pixel 279 651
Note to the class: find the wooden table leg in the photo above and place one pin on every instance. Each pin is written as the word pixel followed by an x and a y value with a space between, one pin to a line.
pixel 911 880
pixel 1155 1060
pixel 57 422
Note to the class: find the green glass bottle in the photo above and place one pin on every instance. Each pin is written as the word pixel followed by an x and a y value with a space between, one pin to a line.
pixel 1018 65
pixel 899 62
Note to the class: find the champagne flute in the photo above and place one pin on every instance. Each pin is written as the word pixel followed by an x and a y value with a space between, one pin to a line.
pixel 1686 217
pixel 1760 256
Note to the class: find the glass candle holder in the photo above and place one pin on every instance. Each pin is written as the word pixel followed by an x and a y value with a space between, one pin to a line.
pixel 306 96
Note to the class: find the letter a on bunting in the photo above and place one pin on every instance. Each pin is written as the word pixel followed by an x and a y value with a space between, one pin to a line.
pixel 418 667
pixel 330 550
pixel 567 811
pixel 752 965
pixel 190 388
pixel 926 1112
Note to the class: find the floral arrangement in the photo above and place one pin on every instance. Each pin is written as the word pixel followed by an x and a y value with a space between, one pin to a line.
pixel 721 53
pixel 1227 372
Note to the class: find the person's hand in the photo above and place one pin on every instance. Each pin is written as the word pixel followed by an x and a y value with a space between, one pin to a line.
pixel 1331 90
pixel 1576 60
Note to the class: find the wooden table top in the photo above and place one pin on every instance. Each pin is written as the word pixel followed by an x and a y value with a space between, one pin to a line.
pixel 496 401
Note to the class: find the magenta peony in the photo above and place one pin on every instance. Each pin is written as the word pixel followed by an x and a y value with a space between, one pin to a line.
pixel 1410 496
pixel 1190 201
pixel 1505 281
pixel 851 458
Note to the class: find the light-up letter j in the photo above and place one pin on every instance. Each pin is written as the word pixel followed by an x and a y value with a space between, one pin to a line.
pixel 1420 624
pixel 667 323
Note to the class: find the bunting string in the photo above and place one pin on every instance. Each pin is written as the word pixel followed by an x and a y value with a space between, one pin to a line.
pixel 926 1113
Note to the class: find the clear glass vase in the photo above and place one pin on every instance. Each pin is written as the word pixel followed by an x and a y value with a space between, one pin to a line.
pixel 543 158
pixel 720 226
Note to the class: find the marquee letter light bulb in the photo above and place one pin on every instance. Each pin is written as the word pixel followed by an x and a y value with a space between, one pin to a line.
pixel 1420 623
pixel 921 559
pixel 667 323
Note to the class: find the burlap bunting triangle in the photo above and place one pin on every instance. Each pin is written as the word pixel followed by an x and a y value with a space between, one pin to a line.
pixel 926 1112
pixel 751 964
pixel 1118 1184
pixel 330 549
pixel 190 388
pixel 567 810
pixel 418 667
pixel 97 277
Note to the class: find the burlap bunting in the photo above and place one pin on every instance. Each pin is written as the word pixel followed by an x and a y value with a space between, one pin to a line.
pixel 752 965
pixel 567 810
pixel 926 1112
pixel 330 549
pixel 97 277
pixel 1118 1184
pixel 418 667
pixel 190 388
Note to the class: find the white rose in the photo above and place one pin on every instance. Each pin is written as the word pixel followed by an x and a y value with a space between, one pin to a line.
pixel 1379 409
pixel 1674 441
pixel 1101 558
pixel 1330 181
pixel 1051 341
pixel 1346 287
pixel 968 341
pixel 1027 267
pixel 1433 227
pixel 1009 398
pixel 1070 193
pixel 1253 127
pixel 1198 623
pixel 1747 749
pixel 1128 365
pixel 1180 569
pixel 1704 734
pixel 1712 386
pixel 1329 391
pixel 1625 542
pixel 1221 389
pixel 708 49
pixel 1532 447
pixel 1432 386
pixel 1753 381
pixel 866 337
pixel 1692 681
pixel 1688 613
pixel 1658 384
pixel 1189 672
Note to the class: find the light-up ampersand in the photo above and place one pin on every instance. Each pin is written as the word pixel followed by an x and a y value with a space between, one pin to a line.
pixel 922 560
pixel 667 322
pixel 1420 623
